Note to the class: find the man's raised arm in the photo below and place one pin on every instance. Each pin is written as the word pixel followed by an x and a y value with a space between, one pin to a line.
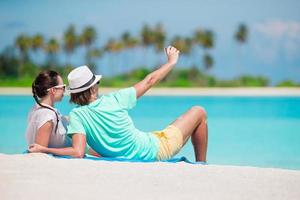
pixel 154 77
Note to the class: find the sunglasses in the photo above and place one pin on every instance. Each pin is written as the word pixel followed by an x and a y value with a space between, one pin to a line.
pixel 59 87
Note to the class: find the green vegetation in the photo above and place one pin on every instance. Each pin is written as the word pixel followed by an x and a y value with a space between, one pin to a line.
pixel 188 78
pixel 288 83
pixel 18 68
pixel 177 78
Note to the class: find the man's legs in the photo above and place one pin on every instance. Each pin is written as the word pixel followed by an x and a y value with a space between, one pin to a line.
pixel 193 124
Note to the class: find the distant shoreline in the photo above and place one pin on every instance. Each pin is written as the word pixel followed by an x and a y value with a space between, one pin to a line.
pixel 267 91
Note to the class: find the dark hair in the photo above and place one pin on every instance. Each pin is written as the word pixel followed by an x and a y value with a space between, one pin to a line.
pixel 81 98
pixel 40 86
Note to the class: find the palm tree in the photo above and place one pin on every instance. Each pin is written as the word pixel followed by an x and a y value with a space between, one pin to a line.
pixel 93 54
pixel 189 47
pixel 70 42
pixel 112 47
pixel 160 37
pixel 197 41
pixel 241 34
pixel 188 44
pixel 147 35
pixel 9 64
pixel 208 39
pixel 51 48
pixel 147 40
pixel 241 37
pixel 129 43
pixel 128 40
pixel 125 38
pixel 37 42
pixel 208 61
pixel 208 43
pixel 205 38
pixel 87 38
pixel 182 44
pixel 23 44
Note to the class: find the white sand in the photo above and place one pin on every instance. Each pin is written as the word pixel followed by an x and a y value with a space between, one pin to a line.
pixel 267 91
pixel 39 176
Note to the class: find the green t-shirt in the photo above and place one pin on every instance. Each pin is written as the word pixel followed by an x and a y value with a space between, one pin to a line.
pixel 109 129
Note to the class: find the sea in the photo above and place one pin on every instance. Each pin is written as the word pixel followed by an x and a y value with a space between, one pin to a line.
pixel 243 131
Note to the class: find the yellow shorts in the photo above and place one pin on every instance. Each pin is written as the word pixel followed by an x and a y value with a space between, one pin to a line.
pixel 170 142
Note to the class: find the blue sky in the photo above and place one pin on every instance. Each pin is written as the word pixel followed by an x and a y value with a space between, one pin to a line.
pixel 273 49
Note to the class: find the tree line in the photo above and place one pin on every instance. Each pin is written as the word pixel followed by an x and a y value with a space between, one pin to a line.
pixel 17 67
pixel 148 37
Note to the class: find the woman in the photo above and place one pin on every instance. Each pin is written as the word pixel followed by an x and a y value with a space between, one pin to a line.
pixel 45 125
pixel 104 123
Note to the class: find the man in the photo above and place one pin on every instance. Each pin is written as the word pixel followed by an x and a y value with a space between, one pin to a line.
pixel 104 123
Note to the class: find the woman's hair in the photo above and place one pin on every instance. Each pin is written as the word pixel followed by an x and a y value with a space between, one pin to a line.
pixel 40 86
pixel 82 98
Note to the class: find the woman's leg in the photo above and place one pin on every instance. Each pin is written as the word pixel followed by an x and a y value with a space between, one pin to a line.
pixel 193 124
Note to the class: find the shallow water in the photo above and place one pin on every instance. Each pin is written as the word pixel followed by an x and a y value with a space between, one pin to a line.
pixel 252 131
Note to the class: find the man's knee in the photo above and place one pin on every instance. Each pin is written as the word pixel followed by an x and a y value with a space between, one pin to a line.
pixel 200 111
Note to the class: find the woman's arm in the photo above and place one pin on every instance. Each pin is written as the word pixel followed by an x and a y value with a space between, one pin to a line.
pixel 43 134
pixel 77 149
pixel 151 79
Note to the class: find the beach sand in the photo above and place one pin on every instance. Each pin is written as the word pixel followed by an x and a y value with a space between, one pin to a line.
pixel 39 176
pixel 266 91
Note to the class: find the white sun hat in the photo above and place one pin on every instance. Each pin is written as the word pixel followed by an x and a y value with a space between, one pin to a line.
pixel 81 79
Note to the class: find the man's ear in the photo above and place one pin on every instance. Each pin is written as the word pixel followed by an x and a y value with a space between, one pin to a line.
pixel 51 91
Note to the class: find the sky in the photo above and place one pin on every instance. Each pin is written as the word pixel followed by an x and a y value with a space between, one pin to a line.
pixel 273 49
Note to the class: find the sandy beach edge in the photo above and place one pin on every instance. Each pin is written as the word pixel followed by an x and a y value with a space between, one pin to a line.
pixel 39 175
pixel 254 91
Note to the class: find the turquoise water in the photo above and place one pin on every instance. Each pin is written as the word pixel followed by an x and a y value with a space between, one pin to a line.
pixel 252 131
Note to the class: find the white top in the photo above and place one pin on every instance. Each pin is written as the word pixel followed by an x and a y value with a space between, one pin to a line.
pixel 37 117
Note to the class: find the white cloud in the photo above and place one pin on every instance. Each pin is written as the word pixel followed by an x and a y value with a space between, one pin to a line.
pixel 278 29
pixel 278 38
